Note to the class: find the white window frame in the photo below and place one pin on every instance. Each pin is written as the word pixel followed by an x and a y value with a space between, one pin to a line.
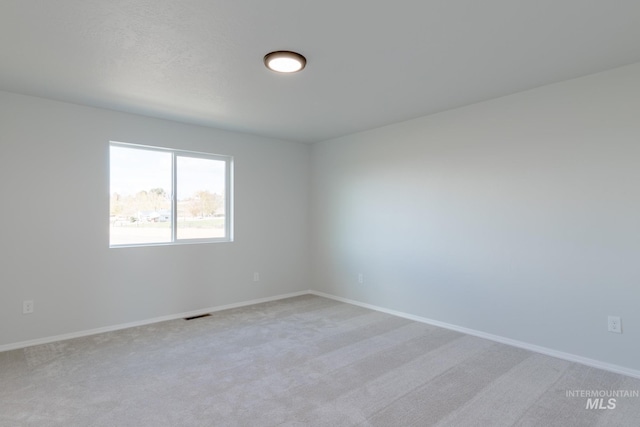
pixel 175 153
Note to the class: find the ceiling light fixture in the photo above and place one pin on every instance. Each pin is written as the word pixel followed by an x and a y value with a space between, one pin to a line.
pixel 283 61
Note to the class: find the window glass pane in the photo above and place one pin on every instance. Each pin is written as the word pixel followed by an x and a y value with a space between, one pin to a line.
pixel 201 198
pixel 140 187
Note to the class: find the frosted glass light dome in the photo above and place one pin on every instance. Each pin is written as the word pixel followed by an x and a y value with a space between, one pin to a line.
pixel 283 61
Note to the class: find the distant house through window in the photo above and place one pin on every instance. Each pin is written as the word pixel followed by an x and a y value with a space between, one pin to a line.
pixel 162 196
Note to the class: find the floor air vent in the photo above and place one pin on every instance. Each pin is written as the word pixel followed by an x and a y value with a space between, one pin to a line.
pixel 197 317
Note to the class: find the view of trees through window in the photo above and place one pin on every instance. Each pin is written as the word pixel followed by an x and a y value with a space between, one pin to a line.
pixel 141 205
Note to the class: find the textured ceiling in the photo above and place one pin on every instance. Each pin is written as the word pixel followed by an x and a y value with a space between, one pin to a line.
pixel 370 63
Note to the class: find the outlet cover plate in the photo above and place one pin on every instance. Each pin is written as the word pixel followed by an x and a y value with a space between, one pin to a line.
pixel 614 324
pixel 27 307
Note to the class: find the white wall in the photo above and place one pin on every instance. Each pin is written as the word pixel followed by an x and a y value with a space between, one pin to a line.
pixel 518 217
pixel 54 182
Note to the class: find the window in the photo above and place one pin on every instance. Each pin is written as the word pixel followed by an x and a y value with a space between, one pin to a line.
pixel 162 196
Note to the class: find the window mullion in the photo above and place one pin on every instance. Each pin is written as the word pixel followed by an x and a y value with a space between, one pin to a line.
pixel 174 198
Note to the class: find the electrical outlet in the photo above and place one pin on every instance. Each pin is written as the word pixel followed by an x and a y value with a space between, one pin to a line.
pixel 256 277
pixel 360 278
pixel 27 307
pixel 615 325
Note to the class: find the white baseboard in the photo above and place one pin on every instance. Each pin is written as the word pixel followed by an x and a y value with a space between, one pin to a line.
pixel 47 340
pixel 515 343
pixel 531 347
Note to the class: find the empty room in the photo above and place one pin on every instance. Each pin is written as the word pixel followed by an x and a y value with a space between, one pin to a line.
pixel 297 213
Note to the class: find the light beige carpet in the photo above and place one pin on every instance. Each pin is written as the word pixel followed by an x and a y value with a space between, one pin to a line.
pixel 299 362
